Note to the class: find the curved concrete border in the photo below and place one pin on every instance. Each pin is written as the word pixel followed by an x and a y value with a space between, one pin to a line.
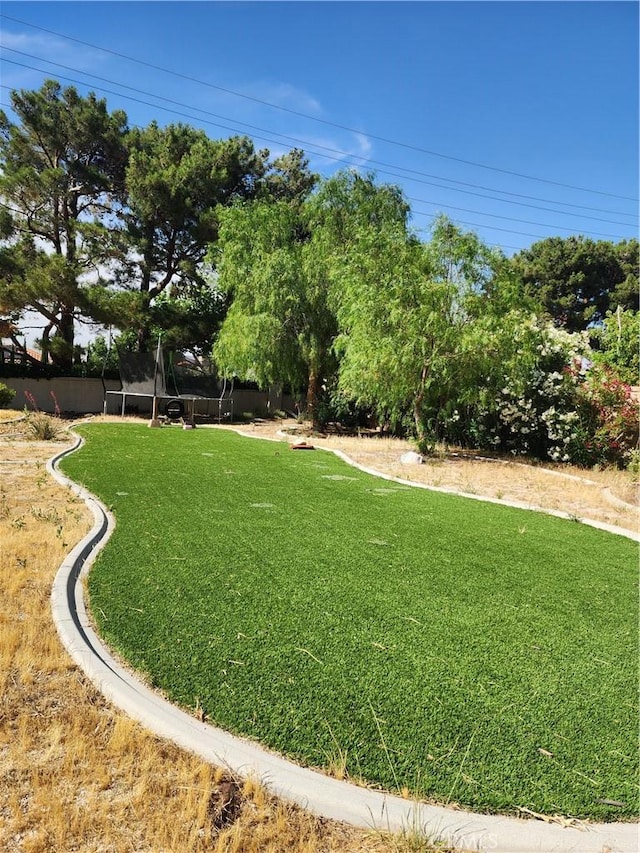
pixel 601 525
pixel 320 794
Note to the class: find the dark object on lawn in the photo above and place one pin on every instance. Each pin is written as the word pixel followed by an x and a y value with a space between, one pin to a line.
pixel 302 445
pixel 174 409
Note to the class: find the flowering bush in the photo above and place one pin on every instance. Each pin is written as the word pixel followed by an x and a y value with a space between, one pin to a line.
pixel 547 400
pixel 523 401
pixel 608 420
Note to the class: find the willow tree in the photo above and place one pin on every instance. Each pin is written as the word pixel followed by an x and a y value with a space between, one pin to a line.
pixel 271 332
pixel 403 309
pixel 275 263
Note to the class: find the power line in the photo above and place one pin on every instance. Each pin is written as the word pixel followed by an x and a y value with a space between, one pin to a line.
pixel 333 151
pixel 313 118
pixel 450 206
pixel 341 157
pixel 493 228
pixel 424 213
pixel 514 219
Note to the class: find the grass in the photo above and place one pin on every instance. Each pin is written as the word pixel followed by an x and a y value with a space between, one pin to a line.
pixel 464 652
pixel 552 485
pixel 77 775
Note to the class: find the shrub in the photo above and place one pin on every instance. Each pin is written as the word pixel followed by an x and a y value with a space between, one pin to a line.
pixel 618 344
pixel 608 420
pixel 634 465
pixel 6 395
pixel 546 399
pixel 523 398
pixel 43 427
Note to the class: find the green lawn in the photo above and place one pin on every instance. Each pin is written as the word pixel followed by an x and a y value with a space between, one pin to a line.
pixel 468 652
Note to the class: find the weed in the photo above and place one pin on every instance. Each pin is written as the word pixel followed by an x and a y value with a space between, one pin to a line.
pixel 384 746
pixel 51 515
pixel 336 758
pixel 42 427
pixel 633 468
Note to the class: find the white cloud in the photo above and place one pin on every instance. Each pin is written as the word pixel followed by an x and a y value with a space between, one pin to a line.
pixel 353 151
pixel 286 95
pixel 49 47
pixel 42 51
pixel 365 144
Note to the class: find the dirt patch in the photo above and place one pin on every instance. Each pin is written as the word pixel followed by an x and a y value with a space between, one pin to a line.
pixel 609 496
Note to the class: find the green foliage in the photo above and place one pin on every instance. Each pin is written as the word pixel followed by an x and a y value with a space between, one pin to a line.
pixel 175 177
pixel 190 319
pixel 139 204
pixel 288 178
pixel 626 294
pixel 177 180
pixel 268 334
pixel 518 394
pixel 349 201
pixel 608 422
pixel 633 467
pixel 535 395
pixel 577 280
pixel 146 207
pixel 426 634
pixel 278 262
pixel 6 395
pixel 100 358
pixel 403 310
pixel 617 344
pixel 60 166
pixel 440 332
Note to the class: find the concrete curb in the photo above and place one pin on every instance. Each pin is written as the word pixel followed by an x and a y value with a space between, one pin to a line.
pixel 601 525
pixel 320 794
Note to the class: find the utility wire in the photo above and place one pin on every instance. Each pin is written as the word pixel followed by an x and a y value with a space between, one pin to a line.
pixel 446 206
pixel 334 151
pixel 352 156
pixel 493 245
pixel 310 117
pixel 513 218
pixel 461 221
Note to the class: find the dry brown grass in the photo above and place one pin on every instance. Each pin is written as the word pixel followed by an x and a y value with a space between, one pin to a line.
pixel 584 494
pixel 75 775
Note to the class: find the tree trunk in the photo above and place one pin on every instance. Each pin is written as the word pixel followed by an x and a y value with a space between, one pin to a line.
pixel 313 393
pixel 62 350
pixel 143 332
pixel 417 407
pixel 44 343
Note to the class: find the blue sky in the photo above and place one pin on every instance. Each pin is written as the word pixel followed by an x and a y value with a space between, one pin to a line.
pixel 494 113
